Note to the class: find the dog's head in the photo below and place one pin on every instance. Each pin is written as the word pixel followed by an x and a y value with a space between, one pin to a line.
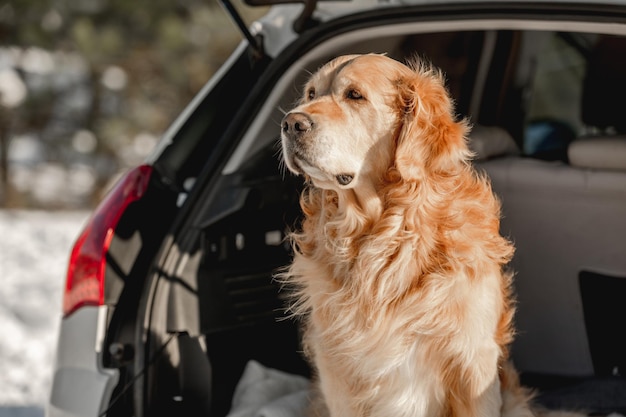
pixel 361 116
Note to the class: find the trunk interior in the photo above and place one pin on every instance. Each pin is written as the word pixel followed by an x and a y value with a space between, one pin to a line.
pixel 533 99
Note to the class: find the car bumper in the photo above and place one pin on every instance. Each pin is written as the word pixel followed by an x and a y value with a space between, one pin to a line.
pixel 80 386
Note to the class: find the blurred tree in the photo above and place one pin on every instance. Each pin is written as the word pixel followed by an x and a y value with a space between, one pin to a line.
pixel 103 78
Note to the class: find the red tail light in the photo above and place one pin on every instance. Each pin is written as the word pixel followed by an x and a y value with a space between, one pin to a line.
pixel 85 273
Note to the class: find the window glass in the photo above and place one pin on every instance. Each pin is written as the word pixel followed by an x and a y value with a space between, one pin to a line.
pixel 553 117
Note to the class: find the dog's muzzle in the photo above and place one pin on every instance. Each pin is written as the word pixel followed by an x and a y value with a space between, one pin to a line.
pixel 297 129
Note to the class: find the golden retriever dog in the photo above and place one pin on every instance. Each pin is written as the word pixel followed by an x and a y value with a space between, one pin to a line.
pixel 398 271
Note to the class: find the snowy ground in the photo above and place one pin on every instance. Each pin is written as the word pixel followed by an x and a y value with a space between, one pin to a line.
pixel 34 249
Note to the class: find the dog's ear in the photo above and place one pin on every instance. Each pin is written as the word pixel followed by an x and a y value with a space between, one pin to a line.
pixel 429 139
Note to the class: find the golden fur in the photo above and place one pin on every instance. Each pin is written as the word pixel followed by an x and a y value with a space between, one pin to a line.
pixel 398 272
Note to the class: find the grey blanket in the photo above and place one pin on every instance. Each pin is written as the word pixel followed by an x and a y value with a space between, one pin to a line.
pixel 266 392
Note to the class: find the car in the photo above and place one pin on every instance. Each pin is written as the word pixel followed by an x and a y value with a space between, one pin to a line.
pixel 170 290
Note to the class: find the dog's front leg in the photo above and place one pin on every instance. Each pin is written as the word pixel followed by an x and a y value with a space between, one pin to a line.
pixel 477 392
pixel 333 397
pixel 489 403
pixel 317 406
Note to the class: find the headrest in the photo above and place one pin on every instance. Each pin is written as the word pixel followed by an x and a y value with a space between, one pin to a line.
pixel 599 153
pixel 490 141
pixel 604 88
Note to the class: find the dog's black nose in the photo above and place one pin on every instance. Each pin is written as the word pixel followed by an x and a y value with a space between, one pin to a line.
pixel 296 124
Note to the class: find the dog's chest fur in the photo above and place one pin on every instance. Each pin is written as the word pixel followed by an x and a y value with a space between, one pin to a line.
pixel 367 360
pixel 380 332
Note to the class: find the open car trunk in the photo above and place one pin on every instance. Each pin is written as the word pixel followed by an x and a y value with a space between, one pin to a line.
pixel 541 132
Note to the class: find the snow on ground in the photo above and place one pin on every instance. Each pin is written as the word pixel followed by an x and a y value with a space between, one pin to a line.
pixel 34 249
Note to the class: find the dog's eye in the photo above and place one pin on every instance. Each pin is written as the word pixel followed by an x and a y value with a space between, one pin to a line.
pixel 310 94
pixel 353 94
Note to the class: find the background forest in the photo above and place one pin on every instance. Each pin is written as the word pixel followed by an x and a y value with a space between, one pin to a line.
pixel 87 87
